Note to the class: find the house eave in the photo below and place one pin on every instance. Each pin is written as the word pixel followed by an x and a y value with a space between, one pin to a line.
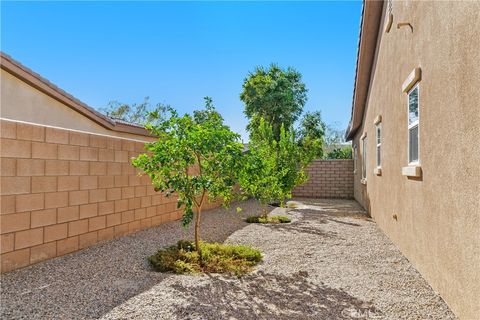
pixel 371 21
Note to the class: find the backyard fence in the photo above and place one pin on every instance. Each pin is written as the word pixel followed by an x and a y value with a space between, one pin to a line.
pixel 328 179
pixel 64 190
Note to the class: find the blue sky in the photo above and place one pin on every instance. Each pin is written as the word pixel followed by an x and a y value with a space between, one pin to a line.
pixel 179 52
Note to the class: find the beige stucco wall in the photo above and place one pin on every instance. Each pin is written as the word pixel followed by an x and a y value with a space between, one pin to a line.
pixel 22 102
pixel 438 215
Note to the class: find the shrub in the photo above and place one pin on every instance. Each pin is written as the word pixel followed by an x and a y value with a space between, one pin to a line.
pixel 215 258
pixel 272 169
pixel 272 219
pixel 340 153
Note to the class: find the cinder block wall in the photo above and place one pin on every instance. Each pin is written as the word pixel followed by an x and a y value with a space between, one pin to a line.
pixel 64 190
pixel 328 179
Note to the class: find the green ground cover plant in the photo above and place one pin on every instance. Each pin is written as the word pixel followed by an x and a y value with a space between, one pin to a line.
pixel 215 258
pixel 270 219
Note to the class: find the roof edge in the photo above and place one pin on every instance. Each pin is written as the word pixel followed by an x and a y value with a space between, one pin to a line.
pixel 40 83
pixel 367 45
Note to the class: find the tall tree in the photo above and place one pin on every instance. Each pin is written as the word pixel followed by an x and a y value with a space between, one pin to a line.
pixel 311 134
pixel 194 157
pixel 274 94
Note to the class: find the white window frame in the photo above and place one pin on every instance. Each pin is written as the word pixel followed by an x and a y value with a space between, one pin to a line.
pixel 364 158
pixel 378 145
pixel 413 125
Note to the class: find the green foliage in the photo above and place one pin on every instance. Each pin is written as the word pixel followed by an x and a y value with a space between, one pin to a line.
pixel 312 126
pixel 193 158
pixel 311 134
pixel 274 94
pixel 215 258
pixel 270 219
pixel 272 169
pixel 139 113
pixel 340 153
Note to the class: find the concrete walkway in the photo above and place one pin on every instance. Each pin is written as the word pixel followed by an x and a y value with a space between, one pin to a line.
pixel 331 262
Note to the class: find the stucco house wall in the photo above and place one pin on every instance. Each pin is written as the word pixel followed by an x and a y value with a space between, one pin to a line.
pixel 434 218
pixel 22 102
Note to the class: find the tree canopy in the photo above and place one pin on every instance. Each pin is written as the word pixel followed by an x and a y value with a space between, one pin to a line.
pixel 311 134
pixel 274 94
pixel 193 157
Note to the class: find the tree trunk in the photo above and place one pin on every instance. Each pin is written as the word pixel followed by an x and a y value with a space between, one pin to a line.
pixel 197 230
pixel 265 211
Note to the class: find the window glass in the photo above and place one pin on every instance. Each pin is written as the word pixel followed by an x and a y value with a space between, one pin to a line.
pixel 413 123
pixel 378 134
pixel 355 155
pixel 413 106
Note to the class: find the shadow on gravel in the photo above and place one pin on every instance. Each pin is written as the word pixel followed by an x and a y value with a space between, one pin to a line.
pixel 320 212
pixel 308 223
pixel 323 217
pixel 269 296
pixel 337 207
pixel 89 283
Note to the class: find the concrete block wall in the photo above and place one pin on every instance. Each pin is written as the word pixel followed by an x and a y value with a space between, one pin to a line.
pixel 64 190
pixel 328 179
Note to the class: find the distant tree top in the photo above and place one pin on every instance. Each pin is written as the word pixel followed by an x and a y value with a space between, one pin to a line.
pixel 274 94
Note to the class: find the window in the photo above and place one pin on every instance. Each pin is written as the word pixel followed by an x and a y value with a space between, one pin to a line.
pixel 355 156
pixel 378 140
pixel 364 158
pixel 413 121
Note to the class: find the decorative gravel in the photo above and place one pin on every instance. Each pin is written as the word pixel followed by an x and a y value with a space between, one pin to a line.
pixel 331 262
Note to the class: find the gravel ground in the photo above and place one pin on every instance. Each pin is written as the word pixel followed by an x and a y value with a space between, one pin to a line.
pixel 331 262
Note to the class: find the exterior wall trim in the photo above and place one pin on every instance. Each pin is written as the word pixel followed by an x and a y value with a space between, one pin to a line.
pixel 414 77
pixel 74 130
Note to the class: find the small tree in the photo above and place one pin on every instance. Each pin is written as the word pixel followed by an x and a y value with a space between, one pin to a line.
pixel 194 157
pixel 259 176
pixel 271 169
